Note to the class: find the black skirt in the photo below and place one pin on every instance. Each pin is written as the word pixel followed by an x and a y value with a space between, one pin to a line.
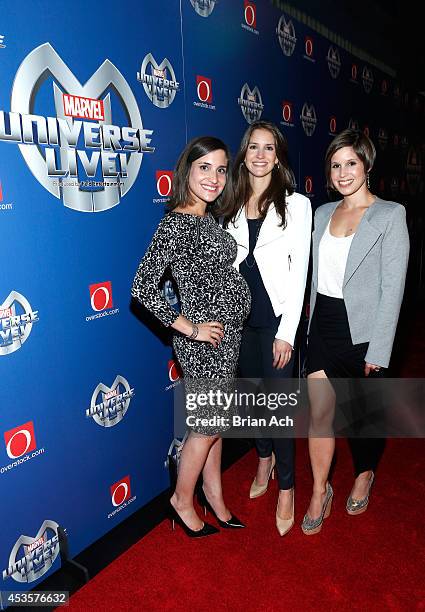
pixel 330 347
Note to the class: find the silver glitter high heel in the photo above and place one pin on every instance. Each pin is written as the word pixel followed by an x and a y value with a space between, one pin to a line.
pixel 311 526
pixel 358 506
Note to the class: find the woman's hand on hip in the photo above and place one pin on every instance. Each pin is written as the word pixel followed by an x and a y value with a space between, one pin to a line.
pixel 282 353
pixel 370 367
pixel 212 332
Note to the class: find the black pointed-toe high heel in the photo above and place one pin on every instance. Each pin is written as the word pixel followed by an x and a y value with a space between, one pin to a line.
pixel 175 517
pixel 232 523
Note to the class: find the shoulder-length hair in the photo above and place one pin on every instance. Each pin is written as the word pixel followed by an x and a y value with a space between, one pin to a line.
pixel 196 148
pixel 282 180
pixel 361 145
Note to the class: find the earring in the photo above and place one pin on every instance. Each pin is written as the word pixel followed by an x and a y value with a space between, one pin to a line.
pixel 368 180
pixel 277 165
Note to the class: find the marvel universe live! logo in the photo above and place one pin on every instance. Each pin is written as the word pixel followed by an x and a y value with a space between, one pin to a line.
pixel 204 8
pixel 21 446
pixel 160 90
pixel 31 558
pixel 121 496
pixel 80 142
pixel 101 301
pixel 109 405
pixel 15 327
pixel 251 103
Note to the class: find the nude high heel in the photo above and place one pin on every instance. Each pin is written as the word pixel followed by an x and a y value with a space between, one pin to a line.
pixel 284 525
pixel 258 490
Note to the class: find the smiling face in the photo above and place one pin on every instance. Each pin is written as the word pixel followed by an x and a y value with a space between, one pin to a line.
pixel 260 156
pixel 348 173
pixel 207 177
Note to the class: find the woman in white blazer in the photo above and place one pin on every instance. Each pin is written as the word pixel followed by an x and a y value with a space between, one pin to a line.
pixel 271 225
pixel 360 255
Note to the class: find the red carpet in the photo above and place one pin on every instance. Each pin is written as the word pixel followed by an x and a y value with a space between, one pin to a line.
pixel 374 561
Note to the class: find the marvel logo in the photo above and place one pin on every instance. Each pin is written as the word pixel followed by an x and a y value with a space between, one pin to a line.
pixel 20 440
pixel 120 491
pixel 83 108
pixel 101 296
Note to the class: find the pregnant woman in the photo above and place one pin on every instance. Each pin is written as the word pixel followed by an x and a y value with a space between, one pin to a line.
pixel 215 300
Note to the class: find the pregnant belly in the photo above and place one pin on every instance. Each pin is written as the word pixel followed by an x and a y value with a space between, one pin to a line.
pixel 232 299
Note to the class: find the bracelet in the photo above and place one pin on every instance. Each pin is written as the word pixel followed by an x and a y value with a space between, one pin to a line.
pixel 195 332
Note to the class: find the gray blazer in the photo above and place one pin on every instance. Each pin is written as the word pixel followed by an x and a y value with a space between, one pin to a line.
pixel 374 276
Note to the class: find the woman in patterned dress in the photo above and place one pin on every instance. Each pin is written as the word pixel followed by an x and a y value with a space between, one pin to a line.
pixel 215 300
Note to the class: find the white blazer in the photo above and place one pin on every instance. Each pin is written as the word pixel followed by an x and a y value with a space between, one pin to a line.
pixel 282 256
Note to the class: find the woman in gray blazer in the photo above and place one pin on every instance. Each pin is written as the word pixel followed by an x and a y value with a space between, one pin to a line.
pixel 360 255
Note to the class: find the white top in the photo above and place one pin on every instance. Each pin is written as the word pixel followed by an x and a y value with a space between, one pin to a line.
pixel 333 254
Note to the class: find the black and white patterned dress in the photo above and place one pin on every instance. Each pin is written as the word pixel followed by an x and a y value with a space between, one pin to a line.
pixel 200 255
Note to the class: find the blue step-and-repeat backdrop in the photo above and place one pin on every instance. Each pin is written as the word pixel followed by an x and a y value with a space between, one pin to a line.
pixel 95 106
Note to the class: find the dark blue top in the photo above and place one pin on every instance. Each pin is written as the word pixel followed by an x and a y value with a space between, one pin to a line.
pixel 262 313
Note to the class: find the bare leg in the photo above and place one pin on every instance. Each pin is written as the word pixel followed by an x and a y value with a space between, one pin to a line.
pixel 321 446
pixel 284 503
pixel 193 457
pixel 361 485
pixel 263 470
pixel 212 481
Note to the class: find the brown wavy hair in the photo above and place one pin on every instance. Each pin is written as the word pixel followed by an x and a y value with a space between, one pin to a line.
pixel 282 181
pixel 196 148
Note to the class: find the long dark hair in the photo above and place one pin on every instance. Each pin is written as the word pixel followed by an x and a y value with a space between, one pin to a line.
pixel 196 148
pixel 282 179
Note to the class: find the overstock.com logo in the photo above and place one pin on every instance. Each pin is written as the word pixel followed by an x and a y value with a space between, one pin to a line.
pixel 101 300
pixel 204 8
pixel 109 405
pixel 121 495
pixel 3 205
pixel 250 16
pixel 204 92
pixel 204 88
pixel 309 48
pixel 287 113
pixel 16 321
pixel 21 446
pixel 308 183
pixel 164 185
pixel 120 491
pixel 20 440
pixel 101 296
